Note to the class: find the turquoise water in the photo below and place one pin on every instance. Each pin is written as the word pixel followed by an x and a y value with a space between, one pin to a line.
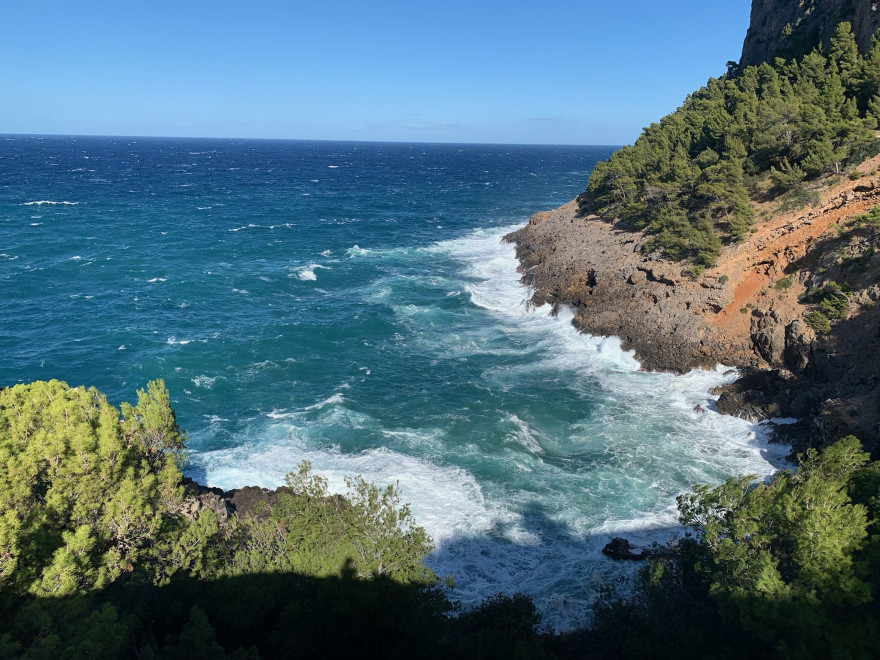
pixel 352 304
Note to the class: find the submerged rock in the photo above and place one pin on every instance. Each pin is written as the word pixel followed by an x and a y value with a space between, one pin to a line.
pixel 620 549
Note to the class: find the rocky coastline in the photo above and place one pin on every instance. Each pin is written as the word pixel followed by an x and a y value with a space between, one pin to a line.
pixel 746 312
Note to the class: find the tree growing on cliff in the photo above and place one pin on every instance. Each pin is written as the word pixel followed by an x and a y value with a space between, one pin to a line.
pixel 786 568
pixel 689 179
pixel 80 503
pixel 91 529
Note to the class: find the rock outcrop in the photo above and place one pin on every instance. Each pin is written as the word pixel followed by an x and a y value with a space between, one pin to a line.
pixel 746 312
pixel 621 549
pixel 248 501
pixel 616 289
pixel 793 27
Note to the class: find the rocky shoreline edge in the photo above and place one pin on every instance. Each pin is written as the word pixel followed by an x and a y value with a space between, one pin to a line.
pixel 748 312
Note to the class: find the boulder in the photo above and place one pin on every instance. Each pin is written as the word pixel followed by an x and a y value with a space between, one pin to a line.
pixel 620 549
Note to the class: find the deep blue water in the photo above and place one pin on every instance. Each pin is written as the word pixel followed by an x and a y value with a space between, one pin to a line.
pixel 353 304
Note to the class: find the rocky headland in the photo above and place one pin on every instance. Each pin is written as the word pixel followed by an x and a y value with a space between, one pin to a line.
pixel 748 311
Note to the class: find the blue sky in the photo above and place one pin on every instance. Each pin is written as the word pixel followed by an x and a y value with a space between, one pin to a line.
pixel 553 72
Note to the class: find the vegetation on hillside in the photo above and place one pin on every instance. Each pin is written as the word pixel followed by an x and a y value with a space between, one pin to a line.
pixel 689 180
pixel 98 559
pixel 92 535
pixel 788 569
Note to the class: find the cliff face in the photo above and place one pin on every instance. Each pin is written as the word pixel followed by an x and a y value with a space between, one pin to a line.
pixel 811 22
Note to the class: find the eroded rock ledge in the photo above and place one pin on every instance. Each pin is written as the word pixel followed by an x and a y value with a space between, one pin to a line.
pixel 745 312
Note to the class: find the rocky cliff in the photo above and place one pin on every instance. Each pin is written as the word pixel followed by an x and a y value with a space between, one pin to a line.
pixel 748 311
pixel 790 28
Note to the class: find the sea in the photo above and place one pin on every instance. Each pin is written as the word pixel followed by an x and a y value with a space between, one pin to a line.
pixel 355 305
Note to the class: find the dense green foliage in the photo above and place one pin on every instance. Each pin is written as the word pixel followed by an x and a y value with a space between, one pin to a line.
pixel 871 218
pixel 787 569
pixel 82 492
pixel 689 179
pixel 830 304
pixel 97 558
pixel 99 561
pixel 310 532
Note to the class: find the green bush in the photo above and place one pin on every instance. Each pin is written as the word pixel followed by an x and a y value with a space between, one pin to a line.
pixel 784 283
pixel 798 199
pixel 832 300
pixel 818 321
pixel 871 218
pixel 97 558
pixel 783 568
pixel 89 495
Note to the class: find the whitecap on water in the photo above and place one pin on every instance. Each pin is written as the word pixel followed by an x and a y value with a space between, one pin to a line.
pixel 41 202
pixel 206 382
pixel 446 500
pixel 307 273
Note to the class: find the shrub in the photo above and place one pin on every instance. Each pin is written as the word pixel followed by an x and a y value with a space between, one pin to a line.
pixel 785 283
pixel 831 299
pixel 818 322
pixel 693 272
pixel 798 199
pixel 872 217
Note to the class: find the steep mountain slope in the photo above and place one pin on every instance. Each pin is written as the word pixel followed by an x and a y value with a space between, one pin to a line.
pixel 791 28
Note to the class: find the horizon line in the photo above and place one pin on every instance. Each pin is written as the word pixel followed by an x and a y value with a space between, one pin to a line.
pixel 272 139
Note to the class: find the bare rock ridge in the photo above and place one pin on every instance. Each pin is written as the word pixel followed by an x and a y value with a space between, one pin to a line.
pixel 746 312
pixel 789 28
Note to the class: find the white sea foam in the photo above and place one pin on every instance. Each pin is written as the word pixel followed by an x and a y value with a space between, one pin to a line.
pixel 539 525
pixel 329 401
pixel 248 226
pixel 174 341
pixel 357 251
pixel 307 273
pixel 206 382
pixel 445 500
pixel 524 435
pixel 49 202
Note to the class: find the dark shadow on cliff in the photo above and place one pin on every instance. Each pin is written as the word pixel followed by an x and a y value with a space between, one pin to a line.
pixel 838 391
